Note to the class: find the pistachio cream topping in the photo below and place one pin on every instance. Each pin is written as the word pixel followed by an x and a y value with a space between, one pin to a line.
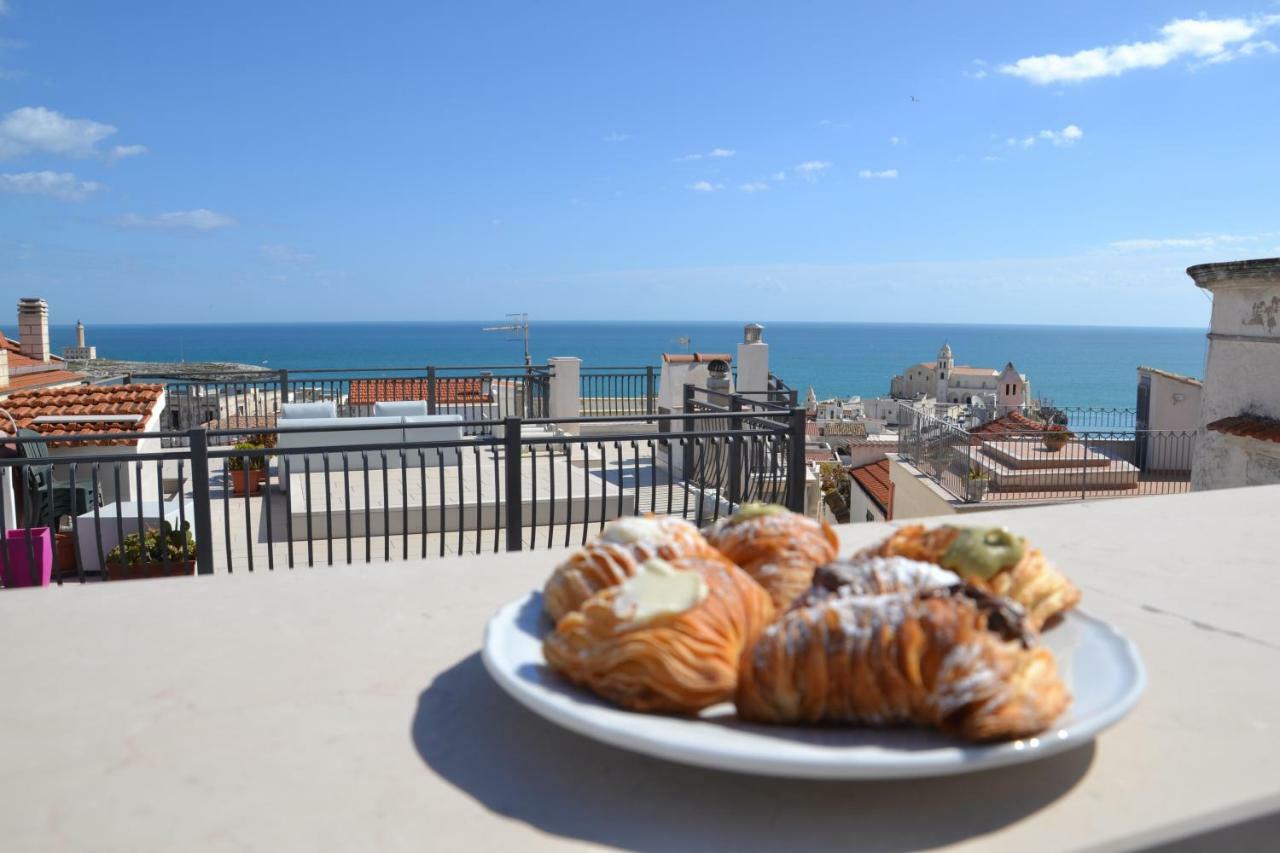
pixel 659 588
pixel 982 552
pixel 631 529
pixel 752 511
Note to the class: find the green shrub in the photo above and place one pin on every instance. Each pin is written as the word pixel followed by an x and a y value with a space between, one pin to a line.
pixel 155 545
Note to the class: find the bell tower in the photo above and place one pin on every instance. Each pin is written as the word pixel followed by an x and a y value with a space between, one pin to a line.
pixel 946 363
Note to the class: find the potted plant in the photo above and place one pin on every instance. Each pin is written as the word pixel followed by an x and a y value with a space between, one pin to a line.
pixel 247 481
pixel 155 553
pixel 1056 437
pixel 978 483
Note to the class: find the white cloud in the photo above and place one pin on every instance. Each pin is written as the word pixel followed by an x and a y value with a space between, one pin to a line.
pixel 617 137
pixel 979 70
pixel 895 140
pixel 812 166
pixel 61 185
pixel 754 187
pixel 705 187
pixel 885 174
pixel 39 129
pixel 1200 241
pixel 1204 40
pixel 1068 136
pixel 714 154
pixel 199 219
pixel 778 176
pixel 120 152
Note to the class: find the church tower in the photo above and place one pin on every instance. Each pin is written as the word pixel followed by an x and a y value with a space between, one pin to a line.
pixel 1013 390
pixel 946 363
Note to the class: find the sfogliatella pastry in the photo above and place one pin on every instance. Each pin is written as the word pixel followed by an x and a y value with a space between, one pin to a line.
pixel 779 548
pixel 951 658
pixel 667 639
pixel 875 576
pixel 615 554
pixel 992 558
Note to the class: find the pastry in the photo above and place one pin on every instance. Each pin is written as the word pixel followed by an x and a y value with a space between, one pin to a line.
pixel 667 639
pixel 615 554
pixel 946 658
pixel 990 557
pixel 876 576
pixel 779 548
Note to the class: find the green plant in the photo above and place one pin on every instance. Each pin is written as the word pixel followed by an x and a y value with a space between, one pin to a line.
pixel 155 545
pixel 977 473
pixel 256 463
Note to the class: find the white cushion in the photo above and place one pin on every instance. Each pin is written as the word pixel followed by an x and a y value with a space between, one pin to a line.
pixel 323 409
pixel 401 408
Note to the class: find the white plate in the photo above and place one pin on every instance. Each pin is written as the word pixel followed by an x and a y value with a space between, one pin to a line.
pixel 1101 668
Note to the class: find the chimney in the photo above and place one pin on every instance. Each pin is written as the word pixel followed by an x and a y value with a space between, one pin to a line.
pixel 4 368
pixel 33 328
pixel 79 335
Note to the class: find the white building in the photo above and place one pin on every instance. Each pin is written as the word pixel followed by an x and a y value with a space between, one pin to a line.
pixel 1238 439
pixel 948 382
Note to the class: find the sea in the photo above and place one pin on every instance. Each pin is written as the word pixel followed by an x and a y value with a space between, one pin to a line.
pixel 1069 365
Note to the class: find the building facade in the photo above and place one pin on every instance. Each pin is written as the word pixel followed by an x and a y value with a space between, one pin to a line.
pixel 947 382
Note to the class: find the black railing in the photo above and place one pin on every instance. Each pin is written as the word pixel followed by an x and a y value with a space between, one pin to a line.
pixel 324 495
pixel 1035 465
pixel 618 391
pixel 239 405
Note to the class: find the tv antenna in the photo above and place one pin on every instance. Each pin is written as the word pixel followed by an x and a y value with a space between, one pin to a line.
pixel 517 327
pixel 685 341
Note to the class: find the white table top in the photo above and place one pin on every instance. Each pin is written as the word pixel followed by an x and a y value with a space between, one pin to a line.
pixel 347 708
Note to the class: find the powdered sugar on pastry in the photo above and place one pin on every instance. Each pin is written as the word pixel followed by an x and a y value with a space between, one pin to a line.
pixel 633 530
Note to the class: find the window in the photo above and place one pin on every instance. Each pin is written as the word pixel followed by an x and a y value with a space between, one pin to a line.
pixel 870 517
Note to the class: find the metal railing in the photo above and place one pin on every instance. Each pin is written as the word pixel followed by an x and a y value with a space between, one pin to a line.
pixel 618 391
pixel 1025 466
pixel 350 500
pixel 238 405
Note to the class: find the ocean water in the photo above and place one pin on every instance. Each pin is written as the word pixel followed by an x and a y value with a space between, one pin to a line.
pixel 1071 365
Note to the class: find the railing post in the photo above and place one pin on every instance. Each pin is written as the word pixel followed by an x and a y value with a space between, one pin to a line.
pixel 795 459
pixel 431 390
pixel 513 494
pixel 128 379
pixel 284 390
pixel 735 452
pixel 650 391
pixel 198 439
pixel 686 449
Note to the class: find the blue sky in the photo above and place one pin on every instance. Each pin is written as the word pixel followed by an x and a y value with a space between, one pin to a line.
pixel 323 161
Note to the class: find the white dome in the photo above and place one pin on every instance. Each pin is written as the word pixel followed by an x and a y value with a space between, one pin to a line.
pixel 945 352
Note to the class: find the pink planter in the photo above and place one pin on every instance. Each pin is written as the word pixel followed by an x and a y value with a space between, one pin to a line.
pixel 19 571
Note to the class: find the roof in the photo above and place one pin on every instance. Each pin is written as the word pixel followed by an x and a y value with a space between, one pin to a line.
pixel 1012 423
pixel 1248 426
pixel 1169 374
pixel 690 357
pixel 874 479
pixel 449 390
pixel 974 371
pixel 39 374
pixel 101 400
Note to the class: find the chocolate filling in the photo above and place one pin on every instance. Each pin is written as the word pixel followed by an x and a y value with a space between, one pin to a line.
pixel 1004 616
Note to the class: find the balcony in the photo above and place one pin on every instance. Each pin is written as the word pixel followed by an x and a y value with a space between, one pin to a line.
pixel 1102 453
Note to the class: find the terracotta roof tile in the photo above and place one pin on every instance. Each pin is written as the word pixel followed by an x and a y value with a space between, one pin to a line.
pixel 692 357
pixel 366 392
pixel 39 379
pixel 1248 426
pixel 103 401
pixel 1011 424
pixel 875 480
